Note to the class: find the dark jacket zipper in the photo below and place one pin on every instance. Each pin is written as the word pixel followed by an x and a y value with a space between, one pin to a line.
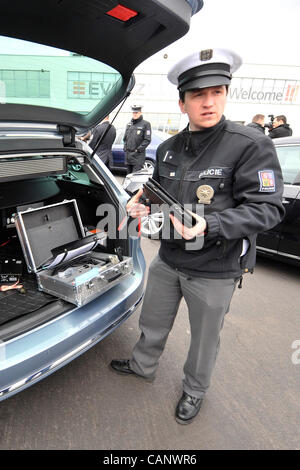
pixel 186 167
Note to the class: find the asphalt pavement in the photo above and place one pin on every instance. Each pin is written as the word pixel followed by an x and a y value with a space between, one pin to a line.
pixel 253 401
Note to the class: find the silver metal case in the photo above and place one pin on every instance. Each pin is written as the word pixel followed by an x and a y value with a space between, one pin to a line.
pixel 79 280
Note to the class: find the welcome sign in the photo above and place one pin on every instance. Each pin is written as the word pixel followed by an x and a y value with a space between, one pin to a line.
pixel 270 91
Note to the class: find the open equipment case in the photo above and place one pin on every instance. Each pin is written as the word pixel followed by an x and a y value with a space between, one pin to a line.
pixel 67 263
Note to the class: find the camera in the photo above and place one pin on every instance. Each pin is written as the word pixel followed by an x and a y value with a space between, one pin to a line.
pixel 269 125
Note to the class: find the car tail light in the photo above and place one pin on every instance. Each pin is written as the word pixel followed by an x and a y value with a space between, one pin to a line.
pixel 122 13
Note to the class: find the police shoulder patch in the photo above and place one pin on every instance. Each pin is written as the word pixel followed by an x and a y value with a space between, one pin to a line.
pixel 266 181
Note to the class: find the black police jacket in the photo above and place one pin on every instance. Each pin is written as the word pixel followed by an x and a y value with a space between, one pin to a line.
pixel 137 136
pixel 283 130
pixel 256 126
pixel 242 168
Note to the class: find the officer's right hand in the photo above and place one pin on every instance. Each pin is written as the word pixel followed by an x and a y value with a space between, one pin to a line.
pixel 134 208
pixel 189 233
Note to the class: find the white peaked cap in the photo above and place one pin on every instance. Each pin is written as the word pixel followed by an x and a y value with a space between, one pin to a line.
pixel 206 68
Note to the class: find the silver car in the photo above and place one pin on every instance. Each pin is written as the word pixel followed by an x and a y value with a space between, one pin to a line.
pixel 63 69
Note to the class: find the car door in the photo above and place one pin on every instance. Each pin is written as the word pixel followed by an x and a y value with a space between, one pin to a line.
pixel 289 229
pixel 118 150
pixel 282 237
pixel 289 240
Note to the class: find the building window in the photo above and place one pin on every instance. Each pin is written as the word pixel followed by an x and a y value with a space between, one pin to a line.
pixel 90 85
pixel 26 83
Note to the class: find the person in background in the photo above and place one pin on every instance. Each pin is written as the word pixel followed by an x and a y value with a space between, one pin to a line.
pixel 258 122
pixel 136 139
pixel 280 128
pixel 104 150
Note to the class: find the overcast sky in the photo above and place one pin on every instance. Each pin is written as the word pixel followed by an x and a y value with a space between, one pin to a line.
pixel 261 31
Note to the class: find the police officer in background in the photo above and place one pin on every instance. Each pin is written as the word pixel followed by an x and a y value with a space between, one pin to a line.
pixel 136 139
pixel 233 173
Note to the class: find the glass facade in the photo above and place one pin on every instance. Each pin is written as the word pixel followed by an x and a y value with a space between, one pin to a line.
pixel 64 80
pixel 58 79
pixel 25 83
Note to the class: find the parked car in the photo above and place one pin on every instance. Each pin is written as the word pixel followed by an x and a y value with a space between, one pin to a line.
pixel 119 154
pixel 48 211
pixel 283 241
pixel 118 160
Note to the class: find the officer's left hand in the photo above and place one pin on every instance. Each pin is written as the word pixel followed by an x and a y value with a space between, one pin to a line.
pixel 189 233
pixel 134 208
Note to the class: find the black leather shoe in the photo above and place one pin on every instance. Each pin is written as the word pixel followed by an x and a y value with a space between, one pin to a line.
pixel 122 366
pixel 187 409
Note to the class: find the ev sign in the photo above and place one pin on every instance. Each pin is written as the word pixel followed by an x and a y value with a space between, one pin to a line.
pixel 91 89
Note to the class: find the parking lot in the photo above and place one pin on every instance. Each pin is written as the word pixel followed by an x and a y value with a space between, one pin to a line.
pixel 253 402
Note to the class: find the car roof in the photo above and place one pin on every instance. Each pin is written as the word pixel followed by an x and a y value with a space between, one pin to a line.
pixel 89 29
pixel 287 140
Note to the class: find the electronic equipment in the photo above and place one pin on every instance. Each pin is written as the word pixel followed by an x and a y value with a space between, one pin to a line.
pixel 156 194
pixel 11 270
pixel 68 264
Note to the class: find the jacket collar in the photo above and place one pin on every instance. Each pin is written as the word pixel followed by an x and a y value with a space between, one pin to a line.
pixel 134 121
pixel 194 140
pixel 208 130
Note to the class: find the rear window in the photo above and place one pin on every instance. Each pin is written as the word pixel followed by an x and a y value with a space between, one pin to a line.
pixel 39 75
pixel 289 158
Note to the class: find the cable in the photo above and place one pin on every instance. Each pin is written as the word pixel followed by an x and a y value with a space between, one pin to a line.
pixel 5 243
pixel 4 288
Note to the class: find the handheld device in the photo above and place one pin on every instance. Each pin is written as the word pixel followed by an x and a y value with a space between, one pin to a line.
pixel 156 194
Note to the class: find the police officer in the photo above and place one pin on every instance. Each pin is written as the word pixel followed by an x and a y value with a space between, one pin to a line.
pixel 136 139
pixel 233 174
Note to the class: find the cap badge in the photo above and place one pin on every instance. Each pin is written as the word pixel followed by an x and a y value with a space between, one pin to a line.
pixel 205 193
pixel 206 54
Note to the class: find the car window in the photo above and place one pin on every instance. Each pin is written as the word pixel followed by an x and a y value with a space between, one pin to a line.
pixel 156 136
pixel 289 158
pixel 119 137
pixel 45 76
pixel 162 135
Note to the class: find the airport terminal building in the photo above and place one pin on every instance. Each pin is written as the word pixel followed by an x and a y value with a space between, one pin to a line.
pixel 255 89
pixel 80 83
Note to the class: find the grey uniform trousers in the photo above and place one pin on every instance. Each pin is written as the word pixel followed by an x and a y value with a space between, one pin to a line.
pixel 208 301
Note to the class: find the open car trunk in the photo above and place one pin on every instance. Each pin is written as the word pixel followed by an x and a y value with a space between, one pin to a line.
pixel 36 181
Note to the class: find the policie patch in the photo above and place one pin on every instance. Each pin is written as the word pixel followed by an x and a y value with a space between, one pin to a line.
pixel 267 181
